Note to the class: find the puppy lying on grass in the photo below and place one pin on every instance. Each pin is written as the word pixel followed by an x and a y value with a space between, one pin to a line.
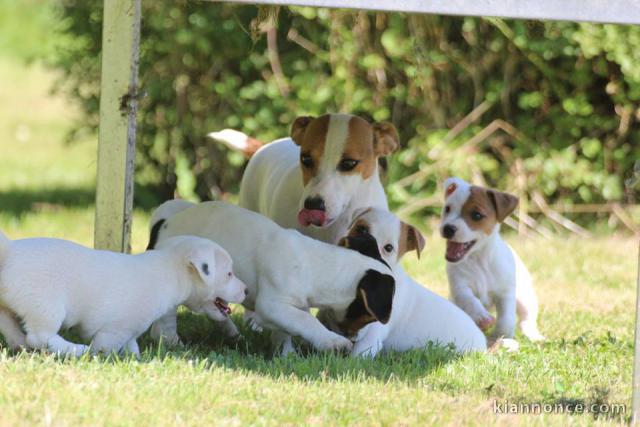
pixel 112 298
pixel 287 273
pixel 419 316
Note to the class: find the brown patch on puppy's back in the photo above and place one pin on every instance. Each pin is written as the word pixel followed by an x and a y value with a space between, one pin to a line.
pixel 359 146
pixel 479 201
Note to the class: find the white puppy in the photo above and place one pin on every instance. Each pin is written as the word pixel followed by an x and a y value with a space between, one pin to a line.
pixel 419 315
pixel 112 298
pixel 286 272
pixel 483 270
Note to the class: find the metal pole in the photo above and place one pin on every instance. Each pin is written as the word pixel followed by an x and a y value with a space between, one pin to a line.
pixel 118 107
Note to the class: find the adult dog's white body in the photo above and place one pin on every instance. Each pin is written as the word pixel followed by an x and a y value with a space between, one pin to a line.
pixel 419 316
pixel 286 272
pixel 50 284
pixel 483 270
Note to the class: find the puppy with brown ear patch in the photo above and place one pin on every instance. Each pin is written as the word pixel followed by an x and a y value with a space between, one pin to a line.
pixel 483 270
pixel 419 316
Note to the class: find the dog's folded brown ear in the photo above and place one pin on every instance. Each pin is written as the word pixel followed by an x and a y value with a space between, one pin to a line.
pixel 410 240
pixel 385 138
pixel 299 127
pixel 376 290
pixel 503 203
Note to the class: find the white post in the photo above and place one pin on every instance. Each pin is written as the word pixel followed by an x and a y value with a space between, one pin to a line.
pixel 118 107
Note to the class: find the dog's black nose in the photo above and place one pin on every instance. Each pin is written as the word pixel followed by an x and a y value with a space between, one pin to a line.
pixel 448 231
pixel 246 292
pixel 314 203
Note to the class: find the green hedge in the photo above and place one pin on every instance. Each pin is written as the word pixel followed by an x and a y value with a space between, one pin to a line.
pixel 561 97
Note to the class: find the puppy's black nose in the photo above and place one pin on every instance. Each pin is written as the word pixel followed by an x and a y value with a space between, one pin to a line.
pixel 448 231
pixel 314 203
pixel 246 292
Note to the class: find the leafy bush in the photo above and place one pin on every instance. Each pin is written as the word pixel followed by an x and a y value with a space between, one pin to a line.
pixel 560 97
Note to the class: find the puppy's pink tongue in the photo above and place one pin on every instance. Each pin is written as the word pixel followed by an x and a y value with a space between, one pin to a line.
pixel 455 251
pixel 306 217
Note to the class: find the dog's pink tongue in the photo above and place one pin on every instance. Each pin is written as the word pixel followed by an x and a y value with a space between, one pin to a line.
pixel 306 217
pixel 455 251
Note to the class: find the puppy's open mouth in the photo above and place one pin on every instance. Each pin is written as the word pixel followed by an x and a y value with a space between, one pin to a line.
pixel 223 306
pixel 307 217
pixel 457 250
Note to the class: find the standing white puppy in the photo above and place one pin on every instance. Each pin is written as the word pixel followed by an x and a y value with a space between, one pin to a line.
pixel 483 270
pixel 112 298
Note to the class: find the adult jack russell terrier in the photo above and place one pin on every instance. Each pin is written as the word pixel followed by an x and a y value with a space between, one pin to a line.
pixel 483 270
pixel 419 316
pixel 286 272
pixel 49 284
pixel 322 174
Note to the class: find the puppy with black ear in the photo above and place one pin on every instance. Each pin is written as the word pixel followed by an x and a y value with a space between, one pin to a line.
pixel 483 270
pixel 286 272
pixel 419 316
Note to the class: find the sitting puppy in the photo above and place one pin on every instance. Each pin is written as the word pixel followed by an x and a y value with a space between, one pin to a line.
pixel 483 270
pixel 112 298
pixel 286 272
pixel 419 315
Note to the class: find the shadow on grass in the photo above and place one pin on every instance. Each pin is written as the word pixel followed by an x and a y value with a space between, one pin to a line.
pixel 17 202
pixel 205 342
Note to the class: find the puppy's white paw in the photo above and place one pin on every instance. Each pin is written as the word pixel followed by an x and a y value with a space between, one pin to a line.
pixel 334 342
pixel 507 344
pixel 531 332
pixel 172 340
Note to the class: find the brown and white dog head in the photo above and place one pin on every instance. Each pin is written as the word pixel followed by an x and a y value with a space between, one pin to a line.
pixel 470 215
pixel 338 153
pixel 395 237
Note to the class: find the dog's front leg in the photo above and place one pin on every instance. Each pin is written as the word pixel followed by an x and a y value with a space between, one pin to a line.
pixel 166 328
pixel 229 328
pixel 464 298
pixel 299 322
pixel 370 340
pixel 506 323
pixel 282 342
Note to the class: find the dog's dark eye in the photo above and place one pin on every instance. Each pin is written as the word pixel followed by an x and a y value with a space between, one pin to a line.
pixel 388 248
pixel 229 274
pixel 476 216
pixel 306 160
pixel 346 165
pixel 205 268
pixel 447 209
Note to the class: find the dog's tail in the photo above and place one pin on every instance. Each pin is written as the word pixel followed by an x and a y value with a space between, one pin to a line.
pixel 237 140
pixel 161 215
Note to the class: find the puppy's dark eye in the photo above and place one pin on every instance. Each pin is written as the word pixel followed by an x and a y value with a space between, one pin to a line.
pixel 205 268
pixel 476 216
pixel 346 165
pixel 306 160
pixel 388 248
pixel 447 209
pixel 229 274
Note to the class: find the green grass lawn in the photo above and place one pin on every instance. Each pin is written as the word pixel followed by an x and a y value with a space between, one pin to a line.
pixel 586 289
